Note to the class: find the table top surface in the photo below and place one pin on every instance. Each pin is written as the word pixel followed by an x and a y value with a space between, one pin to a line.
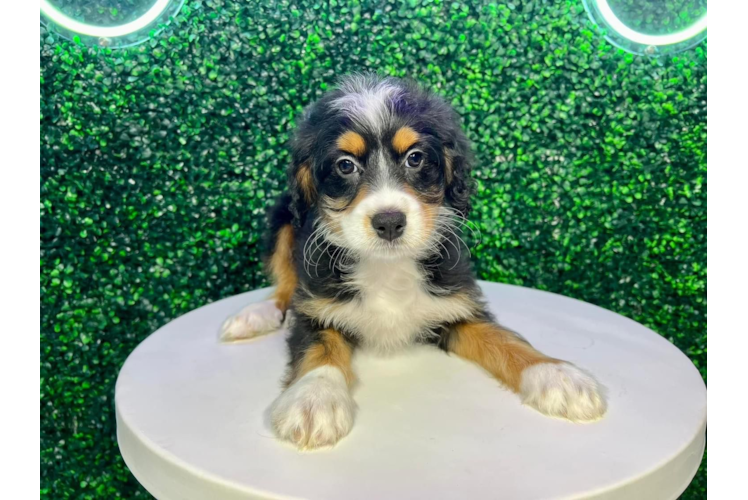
pixel 192 423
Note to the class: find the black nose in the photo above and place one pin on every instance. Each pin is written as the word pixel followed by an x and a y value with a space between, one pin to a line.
pixel 389 225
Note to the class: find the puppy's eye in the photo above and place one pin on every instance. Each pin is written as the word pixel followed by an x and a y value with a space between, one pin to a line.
pixel 347 167
pixel 414 160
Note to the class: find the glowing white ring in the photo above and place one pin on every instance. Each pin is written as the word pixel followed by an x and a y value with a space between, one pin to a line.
pixel 54 14
pixel 644 39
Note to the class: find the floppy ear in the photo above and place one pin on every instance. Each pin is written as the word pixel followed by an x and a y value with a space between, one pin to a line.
pixel 459 163
pixel 301 182
pixel 303 191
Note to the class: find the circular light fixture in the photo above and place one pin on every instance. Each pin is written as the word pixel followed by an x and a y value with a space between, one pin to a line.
pixel 622 35
pixel 123 35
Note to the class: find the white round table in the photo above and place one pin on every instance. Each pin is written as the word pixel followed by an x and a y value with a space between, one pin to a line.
pixel 191 416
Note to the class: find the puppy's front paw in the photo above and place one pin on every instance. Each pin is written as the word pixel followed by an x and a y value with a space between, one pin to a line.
pixel 315 411
pixel 254 320
pixel 562 390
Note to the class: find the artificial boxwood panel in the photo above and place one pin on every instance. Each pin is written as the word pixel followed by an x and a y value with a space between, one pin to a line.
pixel 158 161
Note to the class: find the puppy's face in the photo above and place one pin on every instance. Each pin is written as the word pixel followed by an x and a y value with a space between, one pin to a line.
pixel 379 168
pixel 382 191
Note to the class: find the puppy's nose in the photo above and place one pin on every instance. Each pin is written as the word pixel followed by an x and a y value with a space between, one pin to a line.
pixel 389 225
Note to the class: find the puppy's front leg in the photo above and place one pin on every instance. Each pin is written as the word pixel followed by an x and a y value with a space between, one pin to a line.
pixel 551 386
pixel 316 409
pixel 264 317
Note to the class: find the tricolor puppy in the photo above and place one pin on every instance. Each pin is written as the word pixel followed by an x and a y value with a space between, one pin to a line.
pixel 365 252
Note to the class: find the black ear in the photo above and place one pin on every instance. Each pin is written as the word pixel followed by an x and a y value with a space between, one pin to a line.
pixel 459 163
pixel 458 155
pixel 301 182
pixel 303 191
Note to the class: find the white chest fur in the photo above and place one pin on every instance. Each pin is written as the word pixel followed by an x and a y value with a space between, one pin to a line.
pixel 393 308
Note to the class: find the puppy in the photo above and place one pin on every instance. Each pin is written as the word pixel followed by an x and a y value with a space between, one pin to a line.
pixel 365 252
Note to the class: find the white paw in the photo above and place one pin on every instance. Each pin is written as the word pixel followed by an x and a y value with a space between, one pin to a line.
pixel 252 321
pixel 562 390
pixel 315 411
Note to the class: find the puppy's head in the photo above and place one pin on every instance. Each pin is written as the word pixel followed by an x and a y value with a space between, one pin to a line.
pixel 382 166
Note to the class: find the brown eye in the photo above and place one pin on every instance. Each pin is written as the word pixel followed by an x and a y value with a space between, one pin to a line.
pixel 414 160
pixel 346 167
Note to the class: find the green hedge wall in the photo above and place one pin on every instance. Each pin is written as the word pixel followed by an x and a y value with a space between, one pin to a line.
pixel 158 161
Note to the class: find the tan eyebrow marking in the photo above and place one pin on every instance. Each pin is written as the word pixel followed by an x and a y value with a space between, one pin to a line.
pixel 404 138
pixel 352 142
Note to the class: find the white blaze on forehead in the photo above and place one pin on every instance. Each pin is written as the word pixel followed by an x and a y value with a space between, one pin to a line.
pixel 367 102
pixel 383 178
